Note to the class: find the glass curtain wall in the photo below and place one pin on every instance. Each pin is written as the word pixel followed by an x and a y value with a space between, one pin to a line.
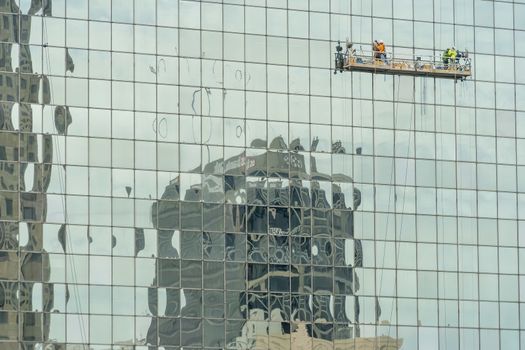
pixel 182 174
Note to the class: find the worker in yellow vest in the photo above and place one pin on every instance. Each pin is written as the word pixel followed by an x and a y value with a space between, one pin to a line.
pixel 449 56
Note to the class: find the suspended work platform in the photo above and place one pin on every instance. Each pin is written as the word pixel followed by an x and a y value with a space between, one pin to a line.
pixel 459 68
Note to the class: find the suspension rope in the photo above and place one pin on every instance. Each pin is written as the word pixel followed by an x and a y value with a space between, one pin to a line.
pixel 398 245
pixel 392 186
pixel 82 328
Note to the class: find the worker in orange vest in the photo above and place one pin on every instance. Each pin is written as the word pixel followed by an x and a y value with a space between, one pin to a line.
pixel 380 50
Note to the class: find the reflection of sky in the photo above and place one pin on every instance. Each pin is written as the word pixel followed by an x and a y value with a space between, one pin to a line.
pixel 149 125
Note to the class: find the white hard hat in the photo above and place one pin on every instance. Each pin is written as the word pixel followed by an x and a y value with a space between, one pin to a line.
pixel 381 42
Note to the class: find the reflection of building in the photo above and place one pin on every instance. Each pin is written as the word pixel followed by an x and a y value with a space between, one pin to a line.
pixel 203 187
pixel 25 297
pixel 301 340
pixel 298 243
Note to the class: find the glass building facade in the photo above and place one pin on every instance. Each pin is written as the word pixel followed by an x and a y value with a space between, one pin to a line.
pixel 180 174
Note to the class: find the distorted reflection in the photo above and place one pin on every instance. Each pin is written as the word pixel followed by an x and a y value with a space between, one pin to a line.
pixel 295 232
pixel 23 153
pixel 212 200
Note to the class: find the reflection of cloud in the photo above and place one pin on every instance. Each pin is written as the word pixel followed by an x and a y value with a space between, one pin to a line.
pixel 100 10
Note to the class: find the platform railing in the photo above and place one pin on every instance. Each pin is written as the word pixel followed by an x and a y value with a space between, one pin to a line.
pixel 347 60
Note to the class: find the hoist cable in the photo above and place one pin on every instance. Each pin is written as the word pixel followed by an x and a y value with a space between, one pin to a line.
pixel 62 185
pixel 398 245
pixel 392 186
